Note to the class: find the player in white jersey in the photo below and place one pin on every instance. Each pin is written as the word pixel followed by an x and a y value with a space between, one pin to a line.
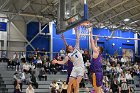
pixel 75 56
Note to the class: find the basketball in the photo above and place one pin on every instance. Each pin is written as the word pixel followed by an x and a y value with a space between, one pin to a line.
pixel 71 20
pixel 85 23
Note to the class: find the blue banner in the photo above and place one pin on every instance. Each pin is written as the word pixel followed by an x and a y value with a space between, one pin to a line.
pixel 3 26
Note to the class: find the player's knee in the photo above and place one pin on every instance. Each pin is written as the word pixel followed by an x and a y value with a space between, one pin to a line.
pixel 70 83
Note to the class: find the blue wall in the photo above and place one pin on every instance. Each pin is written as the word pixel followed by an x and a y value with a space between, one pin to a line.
pixel 107 44
pixel 139 45
pixel 70 38
pixel 43 41
pixel 119 43
pixel 3 26
pixel 40 41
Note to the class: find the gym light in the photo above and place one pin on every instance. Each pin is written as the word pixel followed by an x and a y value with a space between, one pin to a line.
pixel 126 20
pixel 128 41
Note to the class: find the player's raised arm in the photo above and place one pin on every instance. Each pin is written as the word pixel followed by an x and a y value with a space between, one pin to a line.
pixel 77 38
pixel 61 62
pixel 93 42
pixel 65 42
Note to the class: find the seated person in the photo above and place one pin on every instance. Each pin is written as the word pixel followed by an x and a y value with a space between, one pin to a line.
pixel 26 68
pixel 33 81
pixel 34 61
pixel 17 88
pixel 17 80
pixel 39 62
pixel 54 87
pixel 30 89
pixel 124 87
pixel 129 77
pixel 42 74
pixel 46 67
pixel 10 64
pixel 64 87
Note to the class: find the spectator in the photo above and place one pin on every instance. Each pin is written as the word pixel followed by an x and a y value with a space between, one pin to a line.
pixel 34 61
pixel 108 68
pixel 54 87
pixel 86 56
pixel 43 52
pixel 30 57
pixel 22 57
pixel 124 88
pixel 136 65
pixel 17 60
pixel 62 53
pixel 17 88
pixel 10 63
pixel 33 81
pixel 114 86
pixel 87 65
pixel 129 77
pixel 28 78
pixel 42 74
pixel 22 77
pixel 32 66
pixel 15 55
pixel 45 59
pixel 39 62
pixel 64 87
pixel 118 69
pixel 106 88
pixel 17 80
pixel 26 68
pixel 37 52
pixel 47 67
pixel 30 89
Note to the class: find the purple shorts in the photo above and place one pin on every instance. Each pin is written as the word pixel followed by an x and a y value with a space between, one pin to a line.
pixel 97 79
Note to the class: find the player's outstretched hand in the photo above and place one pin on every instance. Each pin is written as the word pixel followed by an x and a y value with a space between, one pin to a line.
pixel 97 37
pixel 90 30
pixel 54 61
pixel 62 36
pixel 75 28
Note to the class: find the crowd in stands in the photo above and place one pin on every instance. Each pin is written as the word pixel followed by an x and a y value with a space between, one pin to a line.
pixel 118 72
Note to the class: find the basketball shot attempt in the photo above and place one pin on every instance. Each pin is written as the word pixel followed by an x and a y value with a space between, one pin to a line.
pixel 96 64
pixel 75 56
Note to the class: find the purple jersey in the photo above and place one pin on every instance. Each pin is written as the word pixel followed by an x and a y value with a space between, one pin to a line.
pixel 70 66
pixel 69 69
pixel 96 64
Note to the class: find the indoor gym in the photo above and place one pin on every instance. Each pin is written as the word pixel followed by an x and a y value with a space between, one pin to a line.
pixel 31 38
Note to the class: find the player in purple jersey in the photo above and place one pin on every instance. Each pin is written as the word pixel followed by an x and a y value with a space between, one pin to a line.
pixel 96 64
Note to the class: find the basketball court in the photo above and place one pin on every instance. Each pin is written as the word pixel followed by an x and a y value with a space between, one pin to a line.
pixel 31 35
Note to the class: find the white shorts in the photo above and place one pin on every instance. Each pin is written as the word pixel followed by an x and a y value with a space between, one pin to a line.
pixel 77 71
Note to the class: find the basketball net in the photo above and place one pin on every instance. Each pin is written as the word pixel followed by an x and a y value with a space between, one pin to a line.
pixel 83 30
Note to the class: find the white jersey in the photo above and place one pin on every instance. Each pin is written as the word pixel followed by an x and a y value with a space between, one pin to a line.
pixel 76 57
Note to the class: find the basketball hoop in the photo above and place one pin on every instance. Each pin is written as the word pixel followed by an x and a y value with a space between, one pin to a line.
pixel 84 30
pixel 85 23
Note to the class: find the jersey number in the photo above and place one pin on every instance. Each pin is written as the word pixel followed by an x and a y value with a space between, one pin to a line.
pixel 76 56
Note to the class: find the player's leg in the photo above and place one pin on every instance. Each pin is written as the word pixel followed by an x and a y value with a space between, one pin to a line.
pixel 71 79
pixel 97 82
pixel 78 80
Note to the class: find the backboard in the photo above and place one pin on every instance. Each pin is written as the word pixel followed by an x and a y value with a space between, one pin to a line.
pixel 70 14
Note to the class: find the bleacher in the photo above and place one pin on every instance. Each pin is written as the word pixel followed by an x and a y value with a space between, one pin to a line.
pixel 6 82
